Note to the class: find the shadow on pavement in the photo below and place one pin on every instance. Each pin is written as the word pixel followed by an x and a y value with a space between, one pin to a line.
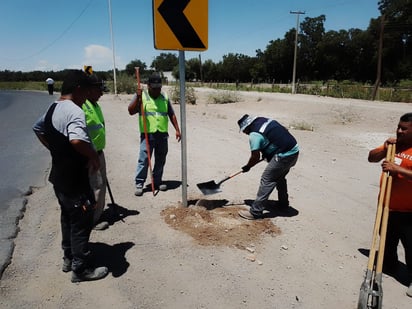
pixel 273 210
pixel 113 257
pixel 115 213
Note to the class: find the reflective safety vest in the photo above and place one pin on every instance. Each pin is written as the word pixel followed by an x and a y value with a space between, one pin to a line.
pixel 95 124
pixel 156 113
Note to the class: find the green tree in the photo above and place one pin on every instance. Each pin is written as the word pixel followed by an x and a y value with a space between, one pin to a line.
pixel 309 59
pixel 130 67
pixel 165 62
pixel 397 52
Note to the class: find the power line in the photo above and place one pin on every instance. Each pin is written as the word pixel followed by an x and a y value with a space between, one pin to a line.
pixel 60 36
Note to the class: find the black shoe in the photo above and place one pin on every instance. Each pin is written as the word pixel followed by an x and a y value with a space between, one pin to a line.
pixel 90 274
pixel 67 265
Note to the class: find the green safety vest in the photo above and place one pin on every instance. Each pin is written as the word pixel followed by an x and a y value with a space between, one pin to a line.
pixel 95 124
pixel 156 113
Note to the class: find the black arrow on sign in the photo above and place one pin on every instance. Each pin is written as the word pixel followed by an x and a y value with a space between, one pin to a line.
pixel 172 13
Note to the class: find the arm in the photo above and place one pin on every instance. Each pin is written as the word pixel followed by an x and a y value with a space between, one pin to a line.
pixel 176 126
pixel 135 104
pixel 378 154
pixel 87 150
pixel 393 168
pixel 253 160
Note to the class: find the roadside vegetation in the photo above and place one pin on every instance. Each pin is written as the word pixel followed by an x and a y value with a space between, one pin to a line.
pixel 337 63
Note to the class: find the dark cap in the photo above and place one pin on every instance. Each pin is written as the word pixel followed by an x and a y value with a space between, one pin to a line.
pixel 98 82
pixel 155 81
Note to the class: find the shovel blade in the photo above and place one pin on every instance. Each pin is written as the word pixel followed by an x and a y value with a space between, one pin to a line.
pixel 370 296
pixel 209 187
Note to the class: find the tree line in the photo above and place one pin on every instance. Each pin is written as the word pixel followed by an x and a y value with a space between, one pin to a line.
pixel 340 55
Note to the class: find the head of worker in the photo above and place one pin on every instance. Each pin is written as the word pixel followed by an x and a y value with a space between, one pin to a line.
pixel 245 122
pixel 155 85
pixel 76 86
pixel 404 131
pixel 97 88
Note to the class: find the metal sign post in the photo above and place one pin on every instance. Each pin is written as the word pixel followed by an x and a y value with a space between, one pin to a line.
pixel 181 25
pixel 182 78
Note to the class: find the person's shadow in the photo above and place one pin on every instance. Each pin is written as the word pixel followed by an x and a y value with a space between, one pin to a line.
pixel 113 257
pixel 114 213
pixel 400 274
pixel 273 210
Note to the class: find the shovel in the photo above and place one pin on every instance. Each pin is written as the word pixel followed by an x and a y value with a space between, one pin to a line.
pixel 371 292
pixel 211 187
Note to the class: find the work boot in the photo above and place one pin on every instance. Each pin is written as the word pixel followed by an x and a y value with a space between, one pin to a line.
pixel 139 190
pixel 90 274
pixel 409 290
pixel 67 265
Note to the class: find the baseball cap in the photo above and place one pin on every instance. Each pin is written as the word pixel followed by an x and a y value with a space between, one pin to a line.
pixel 155 81
pixel 98 82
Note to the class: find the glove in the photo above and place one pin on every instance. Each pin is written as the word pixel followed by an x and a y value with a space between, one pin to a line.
pixel 245 169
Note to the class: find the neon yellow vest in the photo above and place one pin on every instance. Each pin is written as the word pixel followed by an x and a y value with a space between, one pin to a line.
pixel 95 124
pixel 157 119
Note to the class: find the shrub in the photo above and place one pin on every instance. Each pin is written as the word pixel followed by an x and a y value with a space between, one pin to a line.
pixel 189 94
pixel 223 97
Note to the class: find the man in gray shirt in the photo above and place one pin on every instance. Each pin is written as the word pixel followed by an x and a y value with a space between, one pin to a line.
pixel 62 129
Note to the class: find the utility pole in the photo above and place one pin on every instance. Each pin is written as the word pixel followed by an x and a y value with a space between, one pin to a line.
pixel 379 64
pixel 296 49
pixel 114 58
pixel 201 71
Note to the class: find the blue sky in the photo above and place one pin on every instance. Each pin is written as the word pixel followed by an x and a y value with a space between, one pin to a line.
pixel 59 34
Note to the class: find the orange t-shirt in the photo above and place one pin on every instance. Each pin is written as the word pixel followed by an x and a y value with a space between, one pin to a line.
pixel 401 193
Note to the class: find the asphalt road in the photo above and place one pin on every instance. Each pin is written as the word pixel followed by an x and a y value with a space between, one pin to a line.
pixel 23 160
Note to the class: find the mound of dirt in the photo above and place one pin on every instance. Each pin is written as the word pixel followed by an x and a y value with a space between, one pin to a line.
pixel 218 226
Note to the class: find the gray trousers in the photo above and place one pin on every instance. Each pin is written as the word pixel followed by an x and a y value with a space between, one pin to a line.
pixel 98 184
pixel 274 176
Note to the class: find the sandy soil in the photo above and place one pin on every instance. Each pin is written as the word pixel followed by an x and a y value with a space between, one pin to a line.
pixel 161 255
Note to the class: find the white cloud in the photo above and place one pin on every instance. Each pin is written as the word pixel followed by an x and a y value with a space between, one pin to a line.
pixel 99 57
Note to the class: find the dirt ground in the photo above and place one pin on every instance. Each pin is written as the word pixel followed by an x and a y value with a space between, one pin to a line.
pixel 163 255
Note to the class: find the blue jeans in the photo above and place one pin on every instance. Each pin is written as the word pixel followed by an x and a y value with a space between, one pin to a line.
pixel 76 221
pixel 274 176
pixel 158 143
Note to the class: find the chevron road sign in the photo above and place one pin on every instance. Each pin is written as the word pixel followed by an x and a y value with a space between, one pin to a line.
pixel 180 24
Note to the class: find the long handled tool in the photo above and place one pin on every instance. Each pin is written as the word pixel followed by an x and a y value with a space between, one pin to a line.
pixel 211 187
pixel 371 292
pixel 142 111
pixel 110 192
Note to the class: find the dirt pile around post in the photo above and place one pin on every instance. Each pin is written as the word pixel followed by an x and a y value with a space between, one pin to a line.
pixel 210 224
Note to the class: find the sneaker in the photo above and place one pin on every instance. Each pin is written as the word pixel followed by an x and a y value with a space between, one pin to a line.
pixel 67 265
pixel 101 226
pixel 163 187
pixel 245 214
pixel 409 290
pixel 139 190
pixel 90 274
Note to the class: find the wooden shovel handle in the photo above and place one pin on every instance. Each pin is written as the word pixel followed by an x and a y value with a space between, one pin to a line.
pixel 379 211
pixel 384 225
